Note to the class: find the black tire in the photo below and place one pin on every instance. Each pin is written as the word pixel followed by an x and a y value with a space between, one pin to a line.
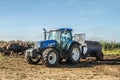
pixel 6 53
pixel 99 56
pixel 70 57
pixel 49 55
pixel 31 61
pixel 60 60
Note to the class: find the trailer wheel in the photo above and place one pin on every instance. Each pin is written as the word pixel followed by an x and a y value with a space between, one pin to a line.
pixel 74 54
pixel 50 57
pixel 99 56
pixel 31 60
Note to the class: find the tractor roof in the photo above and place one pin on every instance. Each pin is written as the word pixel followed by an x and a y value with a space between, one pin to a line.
pixel 68 29
pixel 62 29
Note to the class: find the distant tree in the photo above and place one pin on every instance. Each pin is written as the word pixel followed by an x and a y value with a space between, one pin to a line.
pixel 110 45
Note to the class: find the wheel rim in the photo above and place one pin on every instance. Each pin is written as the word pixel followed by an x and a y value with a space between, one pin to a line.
pixel 52 58
pixel 75 54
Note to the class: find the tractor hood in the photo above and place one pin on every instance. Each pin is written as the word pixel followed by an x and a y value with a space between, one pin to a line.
pixel 46 43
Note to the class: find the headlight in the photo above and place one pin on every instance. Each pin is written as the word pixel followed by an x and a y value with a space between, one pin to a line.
pixel 38 45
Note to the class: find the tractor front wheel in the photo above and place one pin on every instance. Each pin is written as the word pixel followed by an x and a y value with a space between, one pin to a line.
pixel 50 57
pixel 31 60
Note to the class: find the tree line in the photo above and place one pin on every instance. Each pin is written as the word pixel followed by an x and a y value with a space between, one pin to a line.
pixel 110 45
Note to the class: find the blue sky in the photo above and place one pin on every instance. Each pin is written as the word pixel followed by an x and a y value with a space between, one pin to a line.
pixel 24 19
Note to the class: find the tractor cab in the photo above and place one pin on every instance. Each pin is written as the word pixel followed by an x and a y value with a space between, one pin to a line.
pixel 58 38
pixel 62 36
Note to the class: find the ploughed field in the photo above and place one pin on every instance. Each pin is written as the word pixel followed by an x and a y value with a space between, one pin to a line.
pixel 16 68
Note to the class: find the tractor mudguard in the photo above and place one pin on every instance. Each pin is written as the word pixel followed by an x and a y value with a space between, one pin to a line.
pixel 70 43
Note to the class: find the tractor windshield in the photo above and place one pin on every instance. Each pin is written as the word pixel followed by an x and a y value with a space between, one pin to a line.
pixel 54 35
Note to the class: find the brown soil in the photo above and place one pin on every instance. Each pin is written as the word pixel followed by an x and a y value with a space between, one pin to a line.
pixel 16 68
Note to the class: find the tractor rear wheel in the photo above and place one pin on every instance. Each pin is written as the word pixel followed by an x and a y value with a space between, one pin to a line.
pixel 99 56
pixel 50 57
pixel 74 54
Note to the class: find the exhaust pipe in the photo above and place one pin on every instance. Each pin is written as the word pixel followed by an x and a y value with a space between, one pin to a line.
pixel 44 33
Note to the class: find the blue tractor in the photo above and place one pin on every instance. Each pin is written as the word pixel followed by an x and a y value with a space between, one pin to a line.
pixel 58 45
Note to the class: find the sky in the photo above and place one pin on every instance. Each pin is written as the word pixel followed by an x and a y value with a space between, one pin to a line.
pixel 25 19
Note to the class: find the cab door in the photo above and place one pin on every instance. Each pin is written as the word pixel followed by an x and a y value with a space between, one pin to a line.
pixel 66 36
